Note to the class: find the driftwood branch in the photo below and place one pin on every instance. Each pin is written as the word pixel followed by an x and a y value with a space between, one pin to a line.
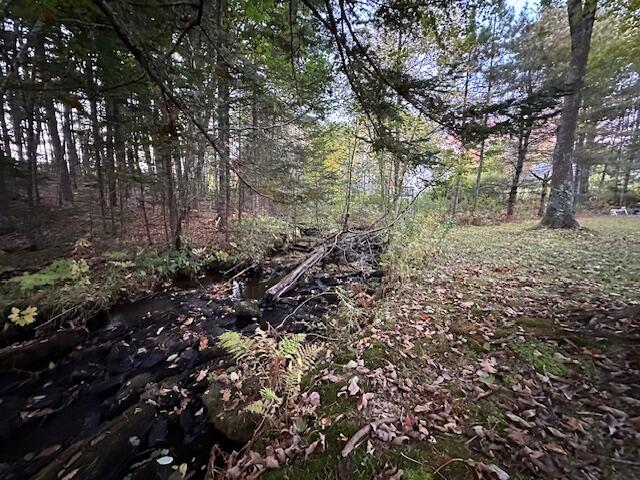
pixel 289 280
pixel 363 432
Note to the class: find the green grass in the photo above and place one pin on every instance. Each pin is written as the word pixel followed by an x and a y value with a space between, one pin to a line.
pixel 606 254
pixel 540 356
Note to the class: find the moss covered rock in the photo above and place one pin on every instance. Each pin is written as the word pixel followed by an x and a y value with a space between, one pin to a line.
pixel 237 424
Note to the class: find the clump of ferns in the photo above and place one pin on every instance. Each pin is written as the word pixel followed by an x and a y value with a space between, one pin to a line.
pixel 279 366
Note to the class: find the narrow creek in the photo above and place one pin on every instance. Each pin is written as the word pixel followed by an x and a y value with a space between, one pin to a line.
pixel 125 400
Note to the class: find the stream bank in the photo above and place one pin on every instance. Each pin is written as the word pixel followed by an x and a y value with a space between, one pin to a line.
pixel 122 397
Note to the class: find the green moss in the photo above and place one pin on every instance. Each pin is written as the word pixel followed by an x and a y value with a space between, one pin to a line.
pixel 376 355
pixel 502 333
pixel 537 325
pixel 416 474
pixel 487 413
pixel 344 355
pixel 321 466
pixel 540 356
pixel 332 405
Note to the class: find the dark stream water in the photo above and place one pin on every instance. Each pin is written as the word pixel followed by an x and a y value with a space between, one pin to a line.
pixel 150 353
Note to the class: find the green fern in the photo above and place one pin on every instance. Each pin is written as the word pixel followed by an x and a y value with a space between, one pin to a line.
pixel 256 407
pixel 268 394
pixel 290 345
pixel 303 360
pixel 259 352
pixel 237 345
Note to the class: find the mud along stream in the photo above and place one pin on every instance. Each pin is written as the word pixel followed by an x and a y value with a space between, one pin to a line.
pixel 123 398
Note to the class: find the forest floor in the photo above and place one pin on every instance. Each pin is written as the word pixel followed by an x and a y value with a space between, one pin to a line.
pixel 498 350
pixel 511 351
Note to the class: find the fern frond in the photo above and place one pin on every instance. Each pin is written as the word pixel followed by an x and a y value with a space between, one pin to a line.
pixel 290 345
pixel 292 379
pixel 268 394
pixel 256 407
pixel 307 355
pixel 237 344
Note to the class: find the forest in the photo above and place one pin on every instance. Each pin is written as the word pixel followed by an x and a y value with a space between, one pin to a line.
pixel 320 239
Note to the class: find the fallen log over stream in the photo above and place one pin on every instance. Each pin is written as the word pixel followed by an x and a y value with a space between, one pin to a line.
pixel 352 244
pixel 289 280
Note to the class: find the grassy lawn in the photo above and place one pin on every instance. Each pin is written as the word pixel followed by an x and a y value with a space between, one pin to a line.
pixel 506 346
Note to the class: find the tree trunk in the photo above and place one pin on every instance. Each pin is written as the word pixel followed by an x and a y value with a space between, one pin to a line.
pixel 72 153
pixel 121 161
pixel 5 163
pixel 578 164
pixel 97 151
pixel 109 165
pixel 523 146
pixel 223 125
pixel 559 212
pixel 625 184
pixel 65 192
pixel 543 196
pixel 476 190
pixel 32 152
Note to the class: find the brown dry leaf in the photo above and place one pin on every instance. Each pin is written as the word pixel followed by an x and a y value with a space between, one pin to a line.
pixel 575 424
pixel 326 421
pixel 556 432
pixel 204 343
pixel 389 473
pixel 491 470
pixel 519 420
pixel 312 448
pixel 554 447
pixel 271 462
pixel 314 399
pixel 202 374
pixel 363 401
pixel 226 395
pixel 353 387
pixel 488 365
pixel 517 436
pixel 71 474
pixel 331 377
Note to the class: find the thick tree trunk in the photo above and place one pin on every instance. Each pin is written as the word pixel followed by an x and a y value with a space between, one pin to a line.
pixel 559 212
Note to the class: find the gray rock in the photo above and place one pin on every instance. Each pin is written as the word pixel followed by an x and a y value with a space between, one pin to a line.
pixel 247 310
pixel 237 425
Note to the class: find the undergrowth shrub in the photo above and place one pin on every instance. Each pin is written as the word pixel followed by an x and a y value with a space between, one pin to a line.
pixel 57 272
pixel 255 236
pixel 413 240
